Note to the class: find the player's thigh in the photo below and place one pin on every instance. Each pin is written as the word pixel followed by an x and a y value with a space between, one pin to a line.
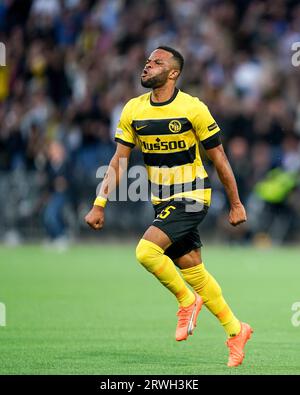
pixel 184 247
pixel 158 237
pixel 174 228
pixel 165 225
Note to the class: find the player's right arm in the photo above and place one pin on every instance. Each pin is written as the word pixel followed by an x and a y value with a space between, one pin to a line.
pixel 116 168
pixel 125 139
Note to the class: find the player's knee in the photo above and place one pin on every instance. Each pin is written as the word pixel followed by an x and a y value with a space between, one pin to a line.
pixel 143 251
pixel 191 259
pixel 147 252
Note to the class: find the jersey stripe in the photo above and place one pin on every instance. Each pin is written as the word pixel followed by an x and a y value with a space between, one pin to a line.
pixel 164 191
pixel 203 195
pixel 124 142
pixel 170 159
pixel 176 175
pixel 158 127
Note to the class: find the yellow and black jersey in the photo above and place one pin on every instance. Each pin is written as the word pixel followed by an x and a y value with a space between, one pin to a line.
pixel 168 135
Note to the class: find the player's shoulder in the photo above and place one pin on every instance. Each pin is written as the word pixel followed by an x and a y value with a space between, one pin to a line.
pixel 193 101
pixel 136 101
pixel 134 106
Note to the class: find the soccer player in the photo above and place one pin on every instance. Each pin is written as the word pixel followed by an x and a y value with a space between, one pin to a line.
pixel 168 125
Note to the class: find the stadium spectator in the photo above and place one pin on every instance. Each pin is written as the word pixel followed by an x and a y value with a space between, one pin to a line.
pixel 58 174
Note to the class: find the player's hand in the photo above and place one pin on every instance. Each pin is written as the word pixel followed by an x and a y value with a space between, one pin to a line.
pixel 237 214
pixel 95 217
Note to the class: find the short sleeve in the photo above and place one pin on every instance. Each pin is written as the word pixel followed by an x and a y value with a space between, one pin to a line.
pixel 205 126
pixel 125 133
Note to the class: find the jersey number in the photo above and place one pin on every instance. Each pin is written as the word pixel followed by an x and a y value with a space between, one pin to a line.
pixel 166 212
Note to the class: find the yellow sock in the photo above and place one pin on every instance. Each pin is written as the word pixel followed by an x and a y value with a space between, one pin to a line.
pixel 152 257
pixel 209 290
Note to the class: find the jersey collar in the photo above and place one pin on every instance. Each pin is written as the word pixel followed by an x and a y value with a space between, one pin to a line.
pixel 176 90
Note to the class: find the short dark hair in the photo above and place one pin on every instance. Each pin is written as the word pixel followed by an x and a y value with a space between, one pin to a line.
pixel 177 55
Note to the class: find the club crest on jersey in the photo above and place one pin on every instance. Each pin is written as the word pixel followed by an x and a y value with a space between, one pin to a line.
pixel 175 126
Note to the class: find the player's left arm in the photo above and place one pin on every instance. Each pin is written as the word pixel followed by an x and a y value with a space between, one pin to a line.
pixel 208 133
pixel 237 213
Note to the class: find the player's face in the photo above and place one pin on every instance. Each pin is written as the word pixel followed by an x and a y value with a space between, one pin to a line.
pixel 157 69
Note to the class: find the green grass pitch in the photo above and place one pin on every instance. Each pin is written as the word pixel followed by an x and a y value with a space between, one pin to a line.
pixel 95 310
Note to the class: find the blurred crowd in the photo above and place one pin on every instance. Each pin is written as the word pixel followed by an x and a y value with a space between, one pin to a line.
pixel 72 64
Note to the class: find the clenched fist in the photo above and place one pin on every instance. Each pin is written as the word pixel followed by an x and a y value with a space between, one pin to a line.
pixel 95 217
pixel 237 214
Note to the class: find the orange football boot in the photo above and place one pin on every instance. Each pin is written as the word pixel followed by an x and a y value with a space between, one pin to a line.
pixel 236 345
pixel 187 317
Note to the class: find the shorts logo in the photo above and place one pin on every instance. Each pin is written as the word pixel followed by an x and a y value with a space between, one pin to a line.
pixel 175 126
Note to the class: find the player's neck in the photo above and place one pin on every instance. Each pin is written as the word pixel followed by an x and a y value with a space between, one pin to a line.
pixel 162 94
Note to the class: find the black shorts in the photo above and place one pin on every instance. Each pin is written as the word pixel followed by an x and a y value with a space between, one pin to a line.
pixel 180 220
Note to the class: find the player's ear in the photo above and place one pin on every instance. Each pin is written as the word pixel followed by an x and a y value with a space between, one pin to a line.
pixel 174 74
